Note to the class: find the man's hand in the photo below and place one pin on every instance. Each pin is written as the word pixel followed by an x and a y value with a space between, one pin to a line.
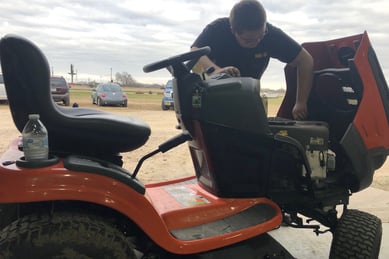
pixel 232 71
pixel 304 64
pixel 204 62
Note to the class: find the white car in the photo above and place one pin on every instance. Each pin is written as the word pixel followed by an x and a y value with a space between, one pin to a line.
pixel 3 94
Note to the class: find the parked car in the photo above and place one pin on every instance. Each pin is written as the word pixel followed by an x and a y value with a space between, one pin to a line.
pixel 3 93
pixel 167 99
pixel 60 90
pixel 109 94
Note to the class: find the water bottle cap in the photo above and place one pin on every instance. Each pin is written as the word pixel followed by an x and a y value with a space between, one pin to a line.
pixel 33 116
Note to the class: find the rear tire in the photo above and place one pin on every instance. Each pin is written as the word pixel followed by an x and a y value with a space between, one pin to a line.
pixel 357 235
pixel 164 107
pixel 63 235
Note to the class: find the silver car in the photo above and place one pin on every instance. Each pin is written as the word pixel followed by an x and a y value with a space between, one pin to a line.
pixel 109 94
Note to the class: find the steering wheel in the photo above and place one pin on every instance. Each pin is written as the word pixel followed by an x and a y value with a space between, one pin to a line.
pixel 193 56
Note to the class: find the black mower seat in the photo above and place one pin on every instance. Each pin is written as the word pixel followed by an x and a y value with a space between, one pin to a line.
pixel 71 130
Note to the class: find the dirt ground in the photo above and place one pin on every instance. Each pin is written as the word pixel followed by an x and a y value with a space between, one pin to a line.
pixel 172 164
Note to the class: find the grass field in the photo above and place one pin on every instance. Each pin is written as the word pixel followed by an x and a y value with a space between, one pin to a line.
pixel 136 95
pixel 86 91
pixel 142 97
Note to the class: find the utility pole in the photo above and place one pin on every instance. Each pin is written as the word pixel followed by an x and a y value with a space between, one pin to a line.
pixel 72 73
pixel 111 75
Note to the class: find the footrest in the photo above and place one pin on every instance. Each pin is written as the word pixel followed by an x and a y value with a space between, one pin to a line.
pixel 258 214
pixel 191 213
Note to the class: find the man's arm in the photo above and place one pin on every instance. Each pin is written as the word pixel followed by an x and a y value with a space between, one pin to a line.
pixel 205 63
pixel 304 64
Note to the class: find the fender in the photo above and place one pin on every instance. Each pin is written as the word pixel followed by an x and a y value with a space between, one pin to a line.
pixel 158 218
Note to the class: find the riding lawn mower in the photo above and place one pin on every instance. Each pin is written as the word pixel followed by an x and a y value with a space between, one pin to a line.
pixel 252 172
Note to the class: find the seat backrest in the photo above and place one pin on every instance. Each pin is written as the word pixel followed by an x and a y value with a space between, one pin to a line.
pixel 71 130
pixel 26 77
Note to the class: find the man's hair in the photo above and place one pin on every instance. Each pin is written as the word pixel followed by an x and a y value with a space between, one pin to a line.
pixel 247 15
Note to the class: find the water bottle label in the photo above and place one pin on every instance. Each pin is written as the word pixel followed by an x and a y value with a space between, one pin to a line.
pixel 35 148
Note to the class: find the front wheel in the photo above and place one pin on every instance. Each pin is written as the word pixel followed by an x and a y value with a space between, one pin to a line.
pixel 357 235
pixel 63 235
pixel 164 107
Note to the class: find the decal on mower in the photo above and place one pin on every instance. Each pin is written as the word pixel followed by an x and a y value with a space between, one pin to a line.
pixel 185 196
pixel 316 141
pixel 196 99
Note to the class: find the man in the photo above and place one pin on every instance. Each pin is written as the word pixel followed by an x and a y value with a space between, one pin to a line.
pixel 242 45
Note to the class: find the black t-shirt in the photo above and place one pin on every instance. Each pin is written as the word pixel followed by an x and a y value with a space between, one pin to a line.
pixel 226 51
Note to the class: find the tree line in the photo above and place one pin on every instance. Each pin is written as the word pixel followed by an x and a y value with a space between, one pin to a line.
pixel 125 78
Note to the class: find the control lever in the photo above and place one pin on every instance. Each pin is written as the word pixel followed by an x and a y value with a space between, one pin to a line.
pixel 166 146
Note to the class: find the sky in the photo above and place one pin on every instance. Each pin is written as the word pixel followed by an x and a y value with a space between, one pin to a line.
pixel 102 37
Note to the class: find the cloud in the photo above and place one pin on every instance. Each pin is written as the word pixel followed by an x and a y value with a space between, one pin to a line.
pixel 125 35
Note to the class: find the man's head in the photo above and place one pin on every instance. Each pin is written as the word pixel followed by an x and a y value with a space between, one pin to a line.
pixel 248 22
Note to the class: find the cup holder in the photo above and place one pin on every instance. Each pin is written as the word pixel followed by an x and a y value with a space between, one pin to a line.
pixel 22 162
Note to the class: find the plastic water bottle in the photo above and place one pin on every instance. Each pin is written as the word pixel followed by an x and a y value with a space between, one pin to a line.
pixel 35 139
